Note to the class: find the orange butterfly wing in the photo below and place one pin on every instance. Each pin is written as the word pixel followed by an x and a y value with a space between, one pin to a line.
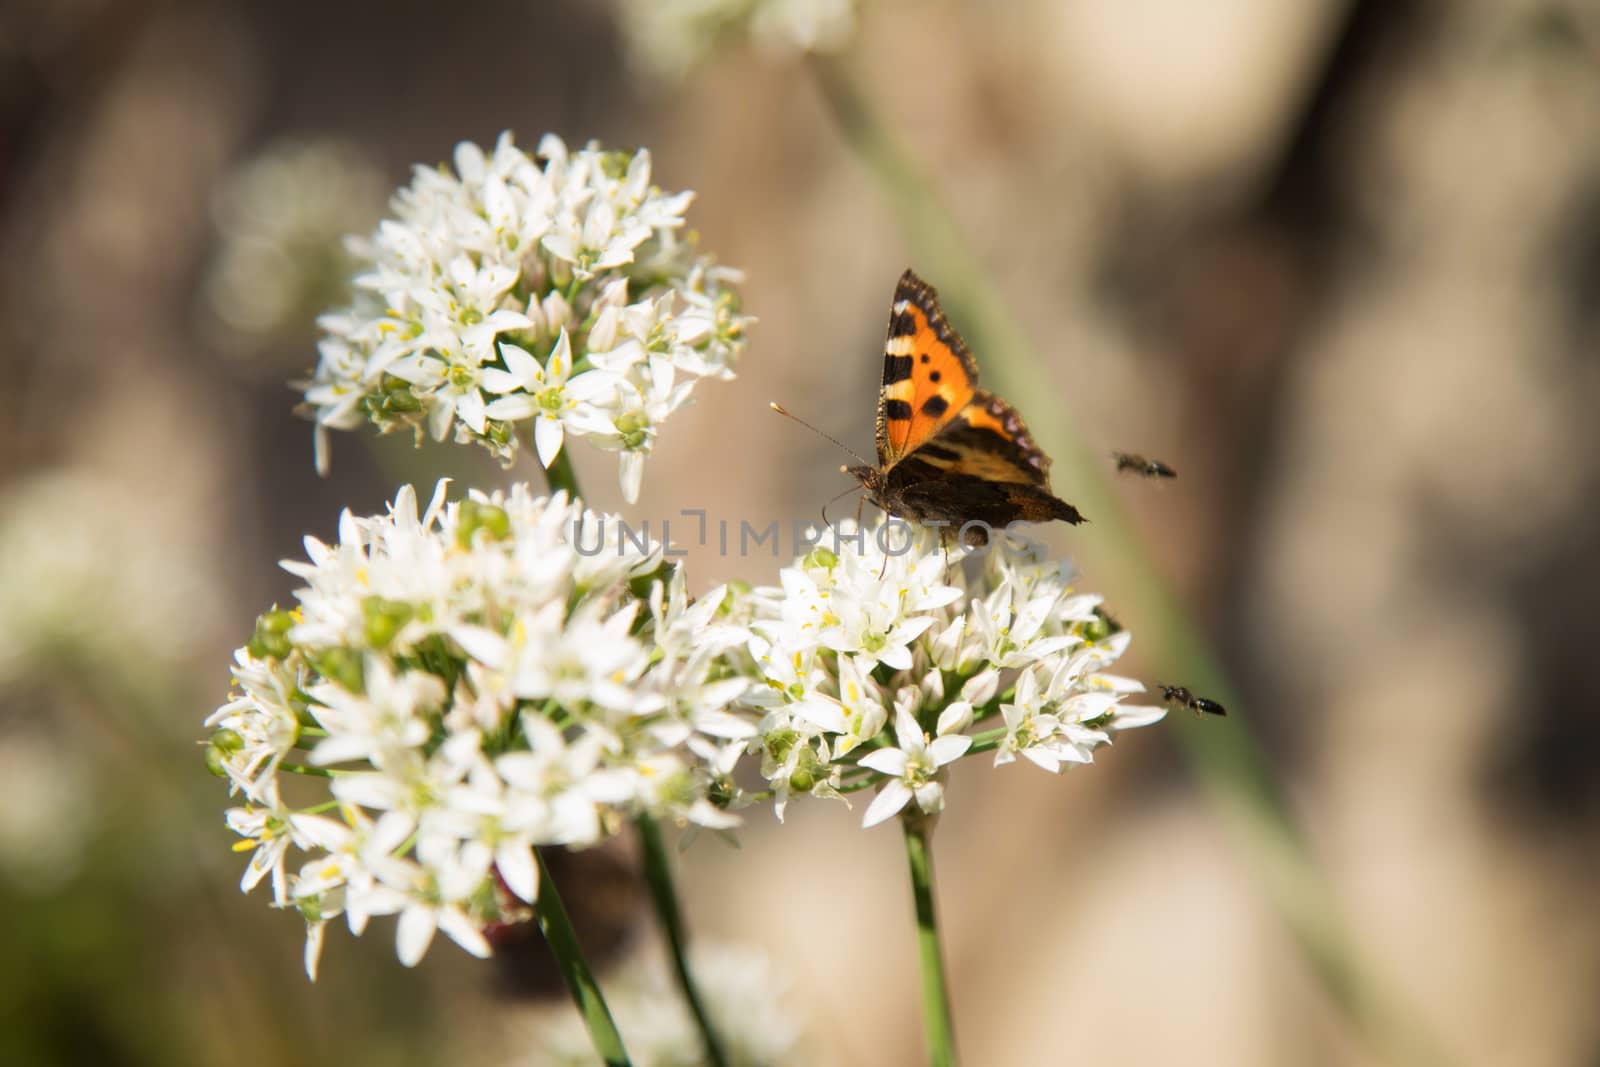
pixel 929 376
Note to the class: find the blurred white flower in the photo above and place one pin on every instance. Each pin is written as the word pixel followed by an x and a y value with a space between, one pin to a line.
pixel 47 809
pixel 744 995
pixel 92 576
pixel 525 300
pixel 669 37
pixel 281 217
pixel 468 683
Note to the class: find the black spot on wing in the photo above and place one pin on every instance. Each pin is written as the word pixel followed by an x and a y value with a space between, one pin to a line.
pixel 939 452
pixel 898 410
pixel 935 406
pixel 896 369
pixel 902 324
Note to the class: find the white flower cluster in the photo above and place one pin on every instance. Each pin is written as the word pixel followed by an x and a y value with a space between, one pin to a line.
pixel 669 37
pixel 281 219
pixel 882 660
pixel 529 296
pixel 456 688
pixel 743 993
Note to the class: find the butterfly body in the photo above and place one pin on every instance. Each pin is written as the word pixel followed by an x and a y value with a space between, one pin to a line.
pixel 1180 696
pixel 949 453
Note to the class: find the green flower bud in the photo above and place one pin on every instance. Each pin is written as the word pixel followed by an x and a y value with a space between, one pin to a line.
pixel 341 665
pixel 820 557
pixel 382 619
pixel 271 637
pixel 224 744
pixel 474 516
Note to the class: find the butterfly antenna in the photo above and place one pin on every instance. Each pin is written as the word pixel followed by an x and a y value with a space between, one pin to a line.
pixel 781 410
pixel 825 523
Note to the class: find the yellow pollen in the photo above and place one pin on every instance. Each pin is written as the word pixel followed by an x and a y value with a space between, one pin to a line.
pixel 246 845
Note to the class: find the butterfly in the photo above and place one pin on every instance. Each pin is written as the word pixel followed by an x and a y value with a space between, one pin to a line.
pixel 949 453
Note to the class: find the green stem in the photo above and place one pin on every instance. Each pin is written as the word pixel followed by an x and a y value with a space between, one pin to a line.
pixel 556 926
pixel 658 875
pixel 1230 762
pixel 312 772
pixel 935 991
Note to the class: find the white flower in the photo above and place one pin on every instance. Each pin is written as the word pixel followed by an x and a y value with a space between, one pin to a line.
pixel 547 393
pixel 992 649
pixel 914 765
pixel 91 574
pixel 668 37
pixel 281 217
pixel 743 992
pixel 480 678
pixel 527 300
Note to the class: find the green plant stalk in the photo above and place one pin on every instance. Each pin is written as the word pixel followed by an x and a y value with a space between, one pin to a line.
pixel 658 875
pixel 556 926
pixel 1229 761
pixel 935 990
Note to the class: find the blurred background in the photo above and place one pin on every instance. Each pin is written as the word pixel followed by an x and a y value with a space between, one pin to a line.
pixel 1337 263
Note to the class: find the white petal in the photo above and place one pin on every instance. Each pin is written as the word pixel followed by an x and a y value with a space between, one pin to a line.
pixel 470 410
pixel 521 874
pixel 949 748
pixel 512 408
pixel 1131 715
pixel 439 416
pixel 1043 757
pixel 464 932
pixel 886 761
pixel 314 932
pixel 414 933
pixel 824 714
pixel 548 435
pixel 896 656
pixel 888 803
pixel 907 734
pixel 560 363
pixel 482 644
pixel 631 471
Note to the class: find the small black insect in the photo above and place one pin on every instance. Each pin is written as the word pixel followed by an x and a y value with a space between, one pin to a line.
pixel 1181 697
pixel 1150 468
